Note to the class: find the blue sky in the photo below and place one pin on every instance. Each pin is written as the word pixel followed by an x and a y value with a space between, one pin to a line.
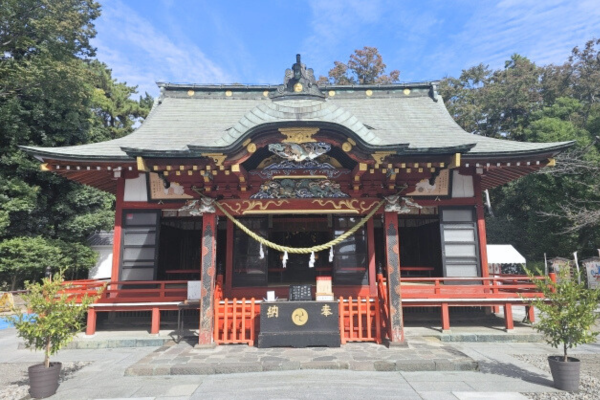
pixel 254 41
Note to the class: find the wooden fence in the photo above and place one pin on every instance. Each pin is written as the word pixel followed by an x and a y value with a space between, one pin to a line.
pixel 360 320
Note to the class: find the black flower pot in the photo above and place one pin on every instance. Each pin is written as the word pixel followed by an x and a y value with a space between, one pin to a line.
pixel 43 381
pixel 565 374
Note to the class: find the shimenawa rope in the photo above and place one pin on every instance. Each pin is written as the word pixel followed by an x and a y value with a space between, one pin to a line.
pixel 300 250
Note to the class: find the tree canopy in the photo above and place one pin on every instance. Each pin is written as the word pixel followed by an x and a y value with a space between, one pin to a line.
pixel 365 67
pixel 53 92
pixel 555 211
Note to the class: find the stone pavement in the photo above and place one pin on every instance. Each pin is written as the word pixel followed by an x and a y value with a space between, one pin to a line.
pixel 116 373
pixel 102 373
pixel 183 359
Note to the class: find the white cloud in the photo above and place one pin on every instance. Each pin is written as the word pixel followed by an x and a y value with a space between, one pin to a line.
pixel 140 54
pixel 432 39
pixel 543 31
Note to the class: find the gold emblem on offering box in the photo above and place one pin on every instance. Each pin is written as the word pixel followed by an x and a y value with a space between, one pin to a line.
pixel 299 316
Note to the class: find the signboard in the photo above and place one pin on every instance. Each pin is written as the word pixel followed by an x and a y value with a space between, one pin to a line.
pixel 158 191
pixel 193 290
pixel 592 268
pixel 440 187
pixel 299 324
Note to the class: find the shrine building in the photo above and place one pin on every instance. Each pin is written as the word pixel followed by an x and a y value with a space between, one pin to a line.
pixel 371 190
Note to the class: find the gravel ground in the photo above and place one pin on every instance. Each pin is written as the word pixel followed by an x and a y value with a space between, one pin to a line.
pixel 589 388
pixel 14 383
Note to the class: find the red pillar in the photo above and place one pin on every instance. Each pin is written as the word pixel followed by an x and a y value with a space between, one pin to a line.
pixel 508 317
pixel 394 290
pixel 481 226
pixel 91 322
pixel 371 250
pixel 155 321
pixel 118 231
pixel 530 311
pixel 208 272
pixel 445 317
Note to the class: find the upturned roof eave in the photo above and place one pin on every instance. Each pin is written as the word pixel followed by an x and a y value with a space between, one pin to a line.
pixel 40 152
pixel 550 149
pixel 199 151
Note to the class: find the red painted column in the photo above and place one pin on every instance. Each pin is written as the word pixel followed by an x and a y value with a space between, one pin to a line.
pixel 445 317
pixel 508 317
pixel 481 226
pixel 155 321
pixel 394 291
pixel 229 259
pixel 530 311
pixel 118 231
pixel 209 271
pixel 91 322
pixel 371 251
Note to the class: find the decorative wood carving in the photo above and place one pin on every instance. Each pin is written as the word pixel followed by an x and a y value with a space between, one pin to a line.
pixel 298 135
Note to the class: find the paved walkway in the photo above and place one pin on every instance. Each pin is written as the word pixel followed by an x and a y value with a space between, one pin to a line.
pixel 183 359
pixel 367 371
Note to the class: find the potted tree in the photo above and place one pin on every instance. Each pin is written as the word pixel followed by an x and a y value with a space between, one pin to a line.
pixel 54 318
pixel 567 315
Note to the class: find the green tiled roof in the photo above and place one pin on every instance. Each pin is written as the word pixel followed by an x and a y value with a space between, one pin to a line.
pixel 188 120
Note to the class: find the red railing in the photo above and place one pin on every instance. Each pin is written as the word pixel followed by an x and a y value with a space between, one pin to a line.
pixel 144 291
pixel 80 288
pixel 360 320
pixel 236 321
pixel 469 288
pixel 128 291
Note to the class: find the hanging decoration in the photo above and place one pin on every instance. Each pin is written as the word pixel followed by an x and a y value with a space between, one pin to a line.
pixel 284 259
pixel 261 253
pixel 311 262
pixel 331 254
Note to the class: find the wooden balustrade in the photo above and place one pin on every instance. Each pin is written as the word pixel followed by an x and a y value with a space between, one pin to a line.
pixel 360 320
pixel 144 291
pixel 469 288
pixel 80 288
pixel 236 321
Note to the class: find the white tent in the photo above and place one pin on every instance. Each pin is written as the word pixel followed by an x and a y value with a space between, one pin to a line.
pixel 504 254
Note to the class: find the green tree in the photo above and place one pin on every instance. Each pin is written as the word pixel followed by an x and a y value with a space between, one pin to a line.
pixel 23 257
pixel 56 318
pixel 496 103
pixel 555 211
pixel 365 67
pixel 567 318
pixel 115 111
pixel 53 93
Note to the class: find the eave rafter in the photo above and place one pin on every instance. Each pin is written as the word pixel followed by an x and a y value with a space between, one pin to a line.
pixel 496 173
pixel 101 175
